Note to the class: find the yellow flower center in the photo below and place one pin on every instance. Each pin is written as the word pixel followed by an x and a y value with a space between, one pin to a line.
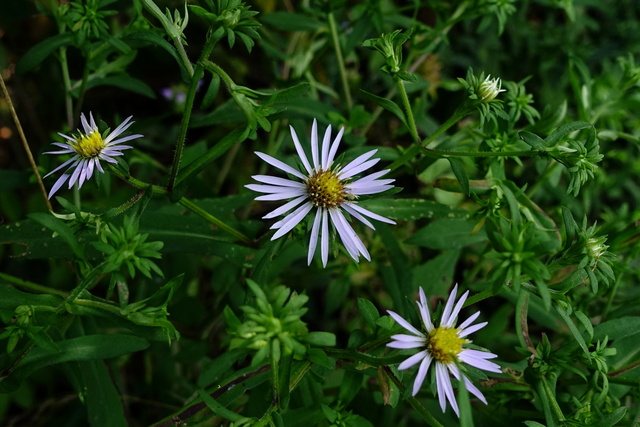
pixel 444 344
pixel 89 145
pixel 326 190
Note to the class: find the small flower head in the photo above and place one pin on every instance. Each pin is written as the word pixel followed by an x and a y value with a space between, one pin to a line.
pixel 444 347
pixel 87 149
pixel 328 188
pixel 489 89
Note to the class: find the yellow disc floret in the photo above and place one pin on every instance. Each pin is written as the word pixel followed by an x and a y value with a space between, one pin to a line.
pixel 444 344
pixel 326 190
pixel 89 145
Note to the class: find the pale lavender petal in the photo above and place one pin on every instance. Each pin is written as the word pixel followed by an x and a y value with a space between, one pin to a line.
pixel 471 329
pixel 445 389
pixel 344 234
pixel 67 137
pixel 356 170
pixel 324 240
pixel 274 180
pixel 292 220
pixel 73 159
pixel 313 240
pixel 98 165
pixel 422 373
pixel 450 322
pixel 66 151
pixel 356 215
pixel 371 189
pixel 469 385
pixel 364 185
pixel 92 121
pixel 325 148
pixel 369 213
pixel 346 231
pixel 59 183
pixel 424 311
pixel 76 173
pixel 87 128
pixel 262 188
pixel 469 321
pixel 280 165
pixel 400 320
pixel 373 176
pixel 408 338
pixel 405 345
pixel 286 207
pixel 449 306
pixel 334 148
pixel 106 157
pixel 413 360
pixel 300 150
pixel 314 145
pixel 280 196
pixel 117 131
pixel 478 360
pixel 346 172
pixel 121 140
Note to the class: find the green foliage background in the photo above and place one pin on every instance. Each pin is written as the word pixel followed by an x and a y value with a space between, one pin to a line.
pixel 146 304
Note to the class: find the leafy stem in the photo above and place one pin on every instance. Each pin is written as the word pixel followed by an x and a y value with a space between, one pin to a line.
pixel 408 111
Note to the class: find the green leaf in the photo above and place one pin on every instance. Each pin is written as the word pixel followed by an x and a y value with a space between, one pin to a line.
pixel 574 330
pixel 154 38
pixel 214 369
pixel 218 409
pixel 10 298
pixel 39 52
pixel 533 140
pixel 321 339
pixel 369 312
pixel 123 81
pixel 457 166
pixel 386 104
pixel 411 209
pixel 557 135
pixel 104 404
pixel 611 419
pixel 58 226
pixel 617 328
pixel 287 21
pixel 447 234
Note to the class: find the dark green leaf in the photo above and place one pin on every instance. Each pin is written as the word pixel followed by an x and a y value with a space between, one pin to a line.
pixel 39 52
pixel 447 234
pixel 386 104
pixel 287 21
pixel 369 312
pixel 457 166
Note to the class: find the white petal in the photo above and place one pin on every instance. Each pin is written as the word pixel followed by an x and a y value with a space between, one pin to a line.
pixel 92 122
pixel 280 165
pixel 280 196
pixel 449 306
pixel 334 148
pixel 76 173
pixel 357 216
pixel 471 329
pixel 349 233
pixel 450 322
pixel 59 183
pixel 356 164
pixel 345 237
pixel 400 320
pixel 117 131
pixel 373 189
pixel 469 321
pixel 262 188
pixel 373 176
pixel 445 389
pixel 286 207
pixel 478 360
pixel 408 338
pixel 405 345
pixel 121 140
pixel 292 220
pixel 422 373
pixel 70 138
pixel 87 128
pixel 424 312
pixel 300 150
pixel 324 239
pixel 274 180
pixel 313 240
pixel 73 159
pixel 325 148
pixel 365 185
pixel 369 213
pixel 314 145
pixel 413 360
pixel 469 385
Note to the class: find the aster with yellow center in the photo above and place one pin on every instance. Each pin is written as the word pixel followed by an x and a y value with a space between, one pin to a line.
pixel 328 188
pixel 444 347
pixel 87 149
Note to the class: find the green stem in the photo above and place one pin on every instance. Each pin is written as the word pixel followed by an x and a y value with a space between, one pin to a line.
pixel 188 105
pixel 105 306
pixel 67 86
pixel 407 108
pixel 447 153
pixel 415 403
pixel 31 286
pixel 415 148
pixel 552 400
pixel 341 68
pixel 213 220
pixel 184 202
pixel 183 55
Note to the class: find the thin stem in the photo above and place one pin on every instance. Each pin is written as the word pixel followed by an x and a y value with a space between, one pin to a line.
pixel 447 153
pixel 212 219
pixel 407 108
pixel 415 148
pixel 188 105
pixel 184 202
pixel 67 86
pixel 183 55
pixel 341 68
pixel 415 403
pixel 31 286
pixel 25 144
